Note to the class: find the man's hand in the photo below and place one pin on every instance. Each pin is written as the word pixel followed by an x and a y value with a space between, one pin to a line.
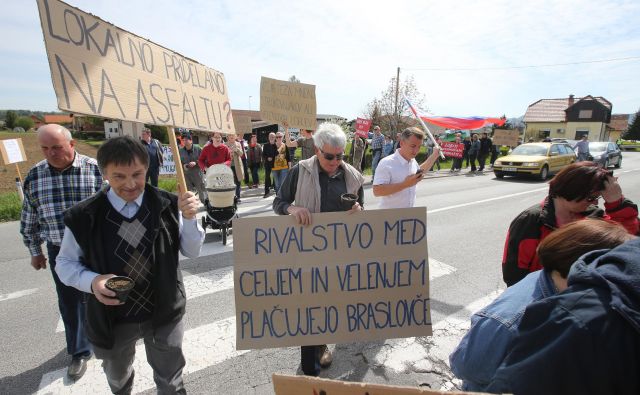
pixel 412 179
pixel 269 158
pixel 612 191
pixel 356 207
pixel 188 204
pixel 102 293
pixel 39 262
pixel 302 214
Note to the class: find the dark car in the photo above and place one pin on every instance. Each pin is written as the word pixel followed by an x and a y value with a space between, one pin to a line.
pixel 605 153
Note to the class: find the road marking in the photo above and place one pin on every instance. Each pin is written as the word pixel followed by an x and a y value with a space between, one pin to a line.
pixel 402 355
pixel 486 200
pixel 196 285
pixel 203 347
pixel 439 269
pixel 19 294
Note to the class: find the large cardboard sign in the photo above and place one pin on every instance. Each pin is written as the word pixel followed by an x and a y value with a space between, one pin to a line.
pixel 296 385
pixel 292 102
pixel 99 69
pixel 362 127
pixel 452 149
pixel 12 151
pixel 505 137
pixel 242 123
pixel 344 278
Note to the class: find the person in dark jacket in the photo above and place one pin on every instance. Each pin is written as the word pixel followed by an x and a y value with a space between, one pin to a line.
pixel 485 150
pixel 255 159
pixel 573 195
pixel 136 230
pixel 269 153
pixel 585 340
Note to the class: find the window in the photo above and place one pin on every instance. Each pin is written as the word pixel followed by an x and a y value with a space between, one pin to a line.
pixel 585 114
pixel 555 149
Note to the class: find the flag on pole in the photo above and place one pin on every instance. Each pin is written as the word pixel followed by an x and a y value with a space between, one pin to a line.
pixel 467 123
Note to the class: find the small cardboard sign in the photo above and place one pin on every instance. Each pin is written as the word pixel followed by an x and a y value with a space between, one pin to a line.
pixel 12 151
pixel 168 164
pixel 505 137
pixel 344 278
pixel 242 123
pixel 296 385
pixel 452 149
pixel 292 102
pixel 362 127
pixel 102 70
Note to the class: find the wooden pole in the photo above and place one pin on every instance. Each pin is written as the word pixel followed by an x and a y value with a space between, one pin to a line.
pixel 182 184
pixel 18 171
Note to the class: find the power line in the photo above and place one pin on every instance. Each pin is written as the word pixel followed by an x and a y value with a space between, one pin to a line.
pixel 631 58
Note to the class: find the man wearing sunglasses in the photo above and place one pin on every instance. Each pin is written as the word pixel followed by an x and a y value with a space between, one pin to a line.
pixel 397 175
pixel 315 185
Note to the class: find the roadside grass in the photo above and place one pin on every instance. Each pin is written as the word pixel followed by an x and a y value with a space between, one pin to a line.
pixel 10 206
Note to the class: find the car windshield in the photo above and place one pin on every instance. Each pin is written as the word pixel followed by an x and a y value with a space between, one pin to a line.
pixel 598 147
pixel 530 150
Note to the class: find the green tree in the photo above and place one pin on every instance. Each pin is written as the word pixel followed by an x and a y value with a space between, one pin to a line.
pixel 10 119
pixel 633 133
pixel 24 122
pixel 294 79
pixel 159 133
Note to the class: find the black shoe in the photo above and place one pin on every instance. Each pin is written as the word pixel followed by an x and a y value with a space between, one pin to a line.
pixel 77 367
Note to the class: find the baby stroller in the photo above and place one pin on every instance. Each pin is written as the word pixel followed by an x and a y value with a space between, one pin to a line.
pixel 221 204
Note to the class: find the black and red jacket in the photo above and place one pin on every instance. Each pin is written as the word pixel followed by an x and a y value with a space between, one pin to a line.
pixel 529 228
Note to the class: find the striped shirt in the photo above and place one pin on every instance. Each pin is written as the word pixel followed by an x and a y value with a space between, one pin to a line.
pixel 377 142
pixel 48 193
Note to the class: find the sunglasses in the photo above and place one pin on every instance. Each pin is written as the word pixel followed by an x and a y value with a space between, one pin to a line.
pixel 278 137
pixel 332 156
pixel 592 198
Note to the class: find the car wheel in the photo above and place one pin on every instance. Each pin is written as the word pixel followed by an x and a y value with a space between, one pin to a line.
pixel 499 174
pixel 619 163
pixel 544 173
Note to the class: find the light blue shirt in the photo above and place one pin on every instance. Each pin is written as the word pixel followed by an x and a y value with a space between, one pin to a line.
pixel 74 273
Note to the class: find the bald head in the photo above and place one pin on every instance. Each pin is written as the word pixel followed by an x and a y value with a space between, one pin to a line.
pixel 57 145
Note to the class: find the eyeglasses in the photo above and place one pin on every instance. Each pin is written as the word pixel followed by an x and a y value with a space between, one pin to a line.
pixel 592 198
pixel 332 156
pixel 278 137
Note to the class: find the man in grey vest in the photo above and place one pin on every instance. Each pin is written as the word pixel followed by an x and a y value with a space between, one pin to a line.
pixel 315 185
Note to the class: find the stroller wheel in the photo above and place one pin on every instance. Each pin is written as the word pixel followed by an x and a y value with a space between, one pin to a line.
pixel 204 222
pixel 223 229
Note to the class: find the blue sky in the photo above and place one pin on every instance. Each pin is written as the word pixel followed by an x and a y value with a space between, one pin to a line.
pixel 351 49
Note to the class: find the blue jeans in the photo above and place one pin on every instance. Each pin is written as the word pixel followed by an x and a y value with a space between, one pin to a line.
pixel 72 305
pixel 377 155
pixel 278 177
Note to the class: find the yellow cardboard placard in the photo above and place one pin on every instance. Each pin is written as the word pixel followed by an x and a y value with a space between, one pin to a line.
pixel 344 278
pixel 99 69
pixel 292 102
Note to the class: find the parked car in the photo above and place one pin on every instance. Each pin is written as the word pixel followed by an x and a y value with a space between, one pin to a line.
pixel 535 159
pixel 605 153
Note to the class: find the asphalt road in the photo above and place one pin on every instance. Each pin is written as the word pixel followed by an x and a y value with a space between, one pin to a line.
pixel 467 218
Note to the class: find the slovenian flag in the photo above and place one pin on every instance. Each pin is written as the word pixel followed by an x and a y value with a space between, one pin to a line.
pixel 466 123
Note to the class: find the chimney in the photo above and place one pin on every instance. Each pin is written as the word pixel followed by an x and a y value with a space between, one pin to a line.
pixel 570 101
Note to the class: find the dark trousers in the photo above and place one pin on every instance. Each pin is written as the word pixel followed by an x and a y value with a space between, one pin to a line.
pixel 72 304
pixel 494 156
pixel 465 157
pixel 254 173
pixel 310 359
pixel 457 164
pixel 267 179
pixel 246 171
pixel 472 160
pixel 236 181
pixel 163 346
pixel 152 176
pixel 482 159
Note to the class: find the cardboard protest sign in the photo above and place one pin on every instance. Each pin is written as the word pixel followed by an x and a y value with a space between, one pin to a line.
pixel 452 149
pixel 12 151
pixel 362 127
pixel 168 162
pixel 295 385
pixel 344 278
pixel 292 102
pixel 99 69
pixel 242 123
pixel 505 137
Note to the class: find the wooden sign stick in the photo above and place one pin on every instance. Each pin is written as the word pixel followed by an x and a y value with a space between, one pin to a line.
pixel 182 184
pixel 18 171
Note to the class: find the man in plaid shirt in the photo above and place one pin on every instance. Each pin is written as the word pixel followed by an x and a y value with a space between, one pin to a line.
pixel 377 142
pixel 56 183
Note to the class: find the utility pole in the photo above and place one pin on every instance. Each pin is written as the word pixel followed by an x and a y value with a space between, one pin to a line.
pixel 395 113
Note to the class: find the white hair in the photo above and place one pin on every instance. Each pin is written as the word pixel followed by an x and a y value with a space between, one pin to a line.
pixel 329 134
pixel 56 128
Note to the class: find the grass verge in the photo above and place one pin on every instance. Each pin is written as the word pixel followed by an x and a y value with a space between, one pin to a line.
pixel 10 206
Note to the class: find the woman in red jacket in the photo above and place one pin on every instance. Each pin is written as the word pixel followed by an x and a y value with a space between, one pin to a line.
pixel 573 194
